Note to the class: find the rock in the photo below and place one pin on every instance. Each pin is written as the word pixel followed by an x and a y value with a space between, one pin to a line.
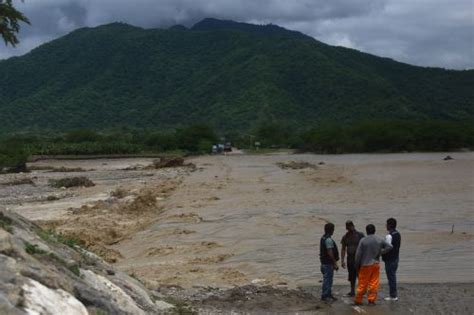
pixel 95 299
pixel 39 299
pixel 6 246
pixel 448 158
pixel 257 281
pixel 8 308
pixel 7 270
pixel 163 306
pixel 44 279
pixel 121 299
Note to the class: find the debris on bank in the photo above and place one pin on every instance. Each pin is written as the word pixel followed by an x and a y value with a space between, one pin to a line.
pixel 68 182
pixel 165 162
pixel 294 165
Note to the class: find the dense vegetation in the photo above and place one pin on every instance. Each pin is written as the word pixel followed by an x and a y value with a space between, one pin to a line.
pixel 14 150
pixel 233 76
pixel 368 136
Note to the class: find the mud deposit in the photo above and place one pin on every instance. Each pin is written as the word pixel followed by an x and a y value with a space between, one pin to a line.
pixel 448 298
pixel 242 220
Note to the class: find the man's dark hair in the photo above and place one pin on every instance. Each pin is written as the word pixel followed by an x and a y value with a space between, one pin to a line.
pixel 328 228
pixel 391 223
pixel 370 229
pixel 349 224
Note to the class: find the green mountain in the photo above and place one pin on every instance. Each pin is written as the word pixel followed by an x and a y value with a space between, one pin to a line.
pixel 231 75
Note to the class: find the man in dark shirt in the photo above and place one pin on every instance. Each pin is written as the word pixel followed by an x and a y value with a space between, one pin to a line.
pixel 349 243
pixel 328 255
pixel 391 258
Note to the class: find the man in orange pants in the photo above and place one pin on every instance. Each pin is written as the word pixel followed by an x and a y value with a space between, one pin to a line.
pixel 367 261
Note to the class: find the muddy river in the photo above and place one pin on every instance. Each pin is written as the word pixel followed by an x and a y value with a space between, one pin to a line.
pixel 240 219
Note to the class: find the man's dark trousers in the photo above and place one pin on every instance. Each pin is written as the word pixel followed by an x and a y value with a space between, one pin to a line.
pixel 328 275
pixel 391 267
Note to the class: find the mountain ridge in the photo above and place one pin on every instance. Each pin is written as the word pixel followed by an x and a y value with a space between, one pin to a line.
pixel 231 75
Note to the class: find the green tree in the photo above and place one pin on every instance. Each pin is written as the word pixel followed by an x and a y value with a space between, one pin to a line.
pixel 10 19
pixel 195 137
pixel 82 135
pixel 13 157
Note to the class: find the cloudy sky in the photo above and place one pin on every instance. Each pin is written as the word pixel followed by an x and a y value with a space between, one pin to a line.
pixel 422 32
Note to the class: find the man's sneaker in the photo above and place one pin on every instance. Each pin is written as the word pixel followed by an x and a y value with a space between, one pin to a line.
pixel 332 297
pixel 389 298
pixel 350 294
pixel 372 303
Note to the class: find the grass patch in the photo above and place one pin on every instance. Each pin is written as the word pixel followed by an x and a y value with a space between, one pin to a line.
pixel 52 236
pixel 180 306
pixel 63 169
pixel 74 269
pixel 6 223
pixel 40 168
pixel 33 249
pixel 69 182
pixel 19 181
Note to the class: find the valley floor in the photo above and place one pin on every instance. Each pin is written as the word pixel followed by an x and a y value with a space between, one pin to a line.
pixel 235 220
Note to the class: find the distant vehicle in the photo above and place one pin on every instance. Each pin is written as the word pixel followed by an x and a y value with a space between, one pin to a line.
pixel 228 147
pixel 214 149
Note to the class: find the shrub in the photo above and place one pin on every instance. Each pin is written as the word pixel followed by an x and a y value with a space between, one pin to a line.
pixel 68 182
pixel 13 157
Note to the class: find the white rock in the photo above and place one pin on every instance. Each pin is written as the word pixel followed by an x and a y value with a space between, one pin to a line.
pixel 41 300
pixel 256 281
pixel 6 245
pixel 163 306
pixel 118 296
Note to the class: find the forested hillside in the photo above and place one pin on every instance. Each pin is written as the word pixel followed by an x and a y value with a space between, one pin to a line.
pixel 230 75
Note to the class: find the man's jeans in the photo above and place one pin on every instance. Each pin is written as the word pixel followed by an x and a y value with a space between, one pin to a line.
pixel 328 274
pixel 391 271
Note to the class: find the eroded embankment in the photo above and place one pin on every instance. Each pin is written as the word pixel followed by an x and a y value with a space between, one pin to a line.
pixel 100 224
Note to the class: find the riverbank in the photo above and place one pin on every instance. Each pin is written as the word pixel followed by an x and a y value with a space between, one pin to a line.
pixel 447 298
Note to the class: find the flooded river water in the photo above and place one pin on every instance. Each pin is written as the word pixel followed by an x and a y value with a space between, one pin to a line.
pixel 243 218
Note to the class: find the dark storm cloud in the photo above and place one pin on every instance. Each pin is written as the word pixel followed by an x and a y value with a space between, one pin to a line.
pixel 422 32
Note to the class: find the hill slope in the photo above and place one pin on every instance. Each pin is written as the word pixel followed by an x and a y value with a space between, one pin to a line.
pixel 231 75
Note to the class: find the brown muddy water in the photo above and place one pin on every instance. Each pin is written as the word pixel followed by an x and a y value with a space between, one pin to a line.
pixel 242 219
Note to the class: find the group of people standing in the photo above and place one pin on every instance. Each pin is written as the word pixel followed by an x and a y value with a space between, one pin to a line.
pixel 363 260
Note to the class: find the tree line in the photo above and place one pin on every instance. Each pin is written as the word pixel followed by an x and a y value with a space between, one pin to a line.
pixel 328 138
